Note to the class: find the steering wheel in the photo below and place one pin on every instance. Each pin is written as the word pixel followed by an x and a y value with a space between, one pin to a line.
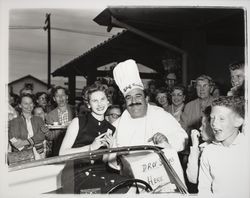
pixel 129 183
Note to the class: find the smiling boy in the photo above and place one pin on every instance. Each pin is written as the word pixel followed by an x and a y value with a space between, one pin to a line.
pixel 237 74
pixel 224 163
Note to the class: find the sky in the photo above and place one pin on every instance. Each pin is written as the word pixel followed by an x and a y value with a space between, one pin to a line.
pixel 73 32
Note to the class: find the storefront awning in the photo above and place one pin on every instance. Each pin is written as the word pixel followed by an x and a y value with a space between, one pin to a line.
pixel 221 26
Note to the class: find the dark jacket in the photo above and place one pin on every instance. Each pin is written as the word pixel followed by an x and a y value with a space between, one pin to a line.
pixel 18 129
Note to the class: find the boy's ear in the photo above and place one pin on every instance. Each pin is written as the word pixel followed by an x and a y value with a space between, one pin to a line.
pixel 238 121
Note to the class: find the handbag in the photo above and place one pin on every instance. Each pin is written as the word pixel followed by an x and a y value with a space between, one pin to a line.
pixel 18 157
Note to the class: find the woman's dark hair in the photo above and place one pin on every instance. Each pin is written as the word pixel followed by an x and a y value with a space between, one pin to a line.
pixel 38 94
pixel 161 90
pixel 93 88
pixel 179 87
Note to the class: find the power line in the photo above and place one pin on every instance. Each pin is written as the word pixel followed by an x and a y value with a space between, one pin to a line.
pixel 60 29
pixel 25 27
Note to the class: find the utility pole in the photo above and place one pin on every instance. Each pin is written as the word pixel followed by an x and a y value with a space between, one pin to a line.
pixel 47 27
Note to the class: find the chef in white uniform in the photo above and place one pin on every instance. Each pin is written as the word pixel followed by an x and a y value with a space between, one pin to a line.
pixel 142 123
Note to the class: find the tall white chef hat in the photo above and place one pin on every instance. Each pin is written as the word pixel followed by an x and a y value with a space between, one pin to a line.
pixel 126 75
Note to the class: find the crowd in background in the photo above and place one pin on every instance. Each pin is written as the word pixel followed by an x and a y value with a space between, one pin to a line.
pixel 32 113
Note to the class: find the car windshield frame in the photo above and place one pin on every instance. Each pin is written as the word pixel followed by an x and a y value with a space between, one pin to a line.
pixel 92 155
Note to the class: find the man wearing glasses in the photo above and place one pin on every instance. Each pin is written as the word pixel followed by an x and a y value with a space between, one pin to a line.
pixel 113 113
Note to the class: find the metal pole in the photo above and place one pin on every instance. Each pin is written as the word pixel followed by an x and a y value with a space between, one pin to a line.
pixel 47 21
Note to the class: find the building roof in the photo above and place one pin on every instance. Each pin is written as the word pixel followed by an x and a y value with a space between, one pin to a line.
pixel 27 77
pixel 116 49
pixel 222 26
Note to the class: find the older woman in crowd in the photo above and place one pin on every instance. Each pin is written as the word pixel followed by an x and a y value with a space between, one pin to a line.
pixel 25 130
pixel 193 111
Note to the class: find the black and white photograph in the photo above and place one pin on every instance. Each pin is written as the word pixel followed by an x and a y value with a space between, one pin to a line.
pixel 124 98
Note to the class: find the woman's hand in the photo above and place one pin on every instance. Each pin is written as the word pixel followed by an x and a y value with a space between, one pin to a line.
pixel 195 134
pixel 109 138
pixel 19 144
pixel 99 142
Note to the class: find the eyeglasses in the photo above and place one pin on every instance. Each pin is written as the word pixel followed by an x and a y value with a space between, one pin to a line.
pixel 114 115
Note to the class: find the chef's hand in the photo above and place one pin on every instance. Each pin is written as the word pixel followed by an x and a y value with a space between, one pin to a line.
pixel 160 140
pixel 195 134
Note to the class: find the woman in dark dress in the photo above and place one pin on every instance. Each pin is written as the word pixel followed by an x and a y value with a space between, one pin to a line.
pixel 86 132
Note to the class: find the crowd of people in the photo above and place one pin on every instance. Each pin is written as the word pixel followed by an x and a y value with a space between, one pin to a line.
pixel 204 126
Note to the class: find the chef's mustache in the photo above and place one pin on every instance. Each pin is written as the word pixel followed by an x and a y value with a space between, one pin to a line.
pixel 134 104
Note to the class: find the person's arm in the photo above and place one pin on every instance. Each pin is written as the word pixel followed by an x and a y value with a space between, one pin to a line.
pixel 193 164
pixel 184 118
pixel 69 139
pixel 205 179
pixel 38 136
pixel 193 158
pixel 12 129
pixel 49 135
